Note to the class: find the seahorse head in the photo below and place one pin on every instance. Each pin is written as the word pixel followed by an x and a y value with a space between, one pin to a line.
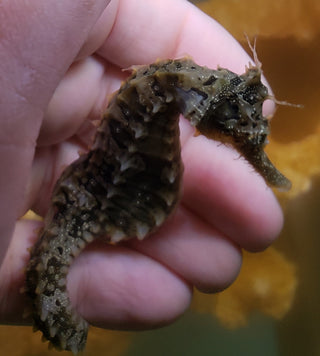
pixel 235 112
pixel 235 117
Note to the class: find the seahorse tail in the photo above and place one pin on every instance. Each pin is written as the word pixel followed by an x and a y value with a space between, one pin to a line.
pixel 46 287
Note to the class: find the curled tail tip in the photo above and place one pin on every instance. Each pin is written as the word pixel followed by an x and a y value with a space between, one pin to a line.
pixel 75 343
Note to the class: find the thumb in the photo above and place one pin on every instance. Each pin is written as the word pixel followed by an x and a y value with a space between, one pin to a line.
pixel 39 41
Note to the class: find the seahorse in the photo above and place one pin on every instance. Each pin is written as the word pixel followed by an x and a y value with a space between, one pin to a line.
pixel 130 181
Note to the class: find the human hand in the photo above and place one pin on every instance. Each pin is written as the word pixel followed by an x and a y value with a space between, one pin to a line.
pixel 46 109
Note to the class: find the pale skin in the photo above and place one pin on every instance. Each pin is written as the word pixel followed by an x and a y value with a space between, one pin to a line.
pixel 58 65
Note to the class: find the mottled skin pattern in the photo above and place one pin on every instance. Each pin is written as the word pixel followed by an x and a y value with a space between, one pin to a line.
pixel 129 182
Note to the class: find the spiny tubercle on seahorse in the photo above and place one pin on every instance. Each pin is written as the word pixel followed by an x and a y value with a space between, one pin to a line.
pixel 129 182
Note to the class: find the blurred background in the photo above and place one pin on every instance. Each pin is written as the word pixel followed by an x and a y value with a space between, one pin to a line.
pixel 273 307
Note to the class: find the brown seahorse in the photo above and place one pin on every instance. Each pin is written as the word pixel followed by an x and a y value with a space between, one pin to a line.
pixel 129 182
